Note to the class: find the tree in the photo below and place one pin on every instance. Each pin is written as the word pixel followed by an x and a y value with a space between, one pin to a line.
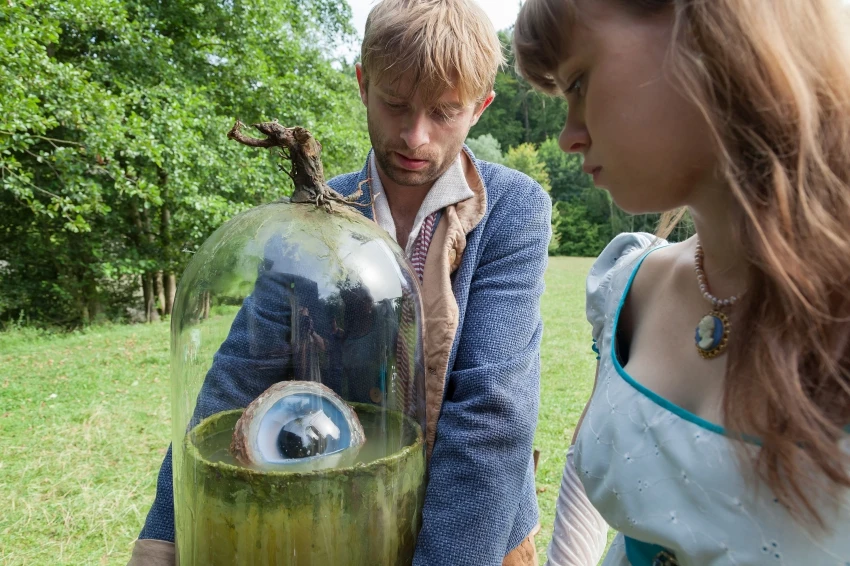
pixel 486 147
pixel 571 184
pixel 565 173
pixel 114 164
pixel 573 234
pixel 524 158
pixel 519 114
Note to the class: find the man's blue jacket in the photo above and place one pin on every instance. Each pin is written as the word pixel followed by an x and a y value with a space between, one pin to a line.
pixel 481 302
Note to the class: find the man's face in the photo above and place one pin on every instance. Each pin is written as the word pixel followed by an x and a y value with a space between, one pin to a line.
pixel 414 144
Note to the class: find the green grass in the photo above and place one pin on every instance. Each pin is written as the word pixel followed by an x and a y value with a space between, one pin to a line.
pixel 84 423
pixel 568 368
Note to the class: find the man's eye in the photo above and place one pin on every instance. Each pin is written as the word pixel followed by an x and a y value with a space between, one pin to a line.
pixel 395 106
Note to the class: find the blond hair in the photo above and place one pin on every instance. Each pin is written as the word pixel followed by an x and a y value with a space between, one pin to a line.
pixel 437 45
pixel 773 82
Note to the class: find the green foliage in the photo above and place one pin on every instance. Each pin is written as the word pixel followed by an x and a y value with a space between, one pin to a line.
pixel 519 114
pixel 113 113
pixel 114 166
pixel 573 233
pixel 486 147
pixel 565 174
pixel 524 158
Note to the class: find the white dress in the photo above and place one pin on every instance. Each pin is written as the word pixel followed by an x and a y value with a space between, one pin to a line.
pixel 666 479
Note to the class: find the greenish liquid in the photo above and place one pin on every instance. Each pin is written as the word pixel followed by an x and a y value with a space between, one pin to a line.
pixel 385 435
pixel 366 513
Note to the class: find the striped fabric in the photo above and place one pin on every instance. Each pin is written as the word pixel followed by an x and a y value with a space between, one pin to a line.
pixel 423 242
pixel 403 381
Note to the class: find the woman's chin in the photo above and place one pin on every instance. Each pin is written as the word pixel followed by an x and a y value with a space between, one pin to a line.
pixel 629 204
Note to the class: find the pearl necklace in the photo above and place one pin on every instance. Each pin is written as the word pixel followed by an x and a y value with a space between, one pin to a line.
pixel 712 333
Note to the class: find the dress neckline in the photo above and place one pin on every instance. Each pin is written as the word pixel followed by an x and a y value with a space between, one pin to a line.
pixel 654 397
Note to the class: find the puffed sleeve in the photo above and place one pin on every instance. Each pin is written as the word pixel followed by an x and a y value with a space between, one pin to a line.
pixel 600 302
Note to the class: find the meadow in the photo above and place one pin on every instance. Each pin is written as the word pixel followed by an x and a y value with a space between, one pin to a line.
pixel 85 422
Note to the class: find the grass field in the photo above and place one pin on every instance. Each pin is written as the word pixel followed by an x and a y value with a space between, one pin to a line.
pixel 84 423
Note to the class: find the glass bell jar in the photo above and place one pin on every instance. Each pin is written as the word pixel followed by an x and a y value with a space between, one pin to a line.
pixel 297 384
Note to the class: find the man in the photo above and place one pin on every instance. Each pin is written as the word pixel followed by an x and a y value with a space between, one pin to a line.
pixel 478 234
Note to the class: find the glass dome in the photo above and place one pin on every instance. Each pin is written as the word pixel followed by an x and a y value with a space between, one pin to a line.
pixel 298 393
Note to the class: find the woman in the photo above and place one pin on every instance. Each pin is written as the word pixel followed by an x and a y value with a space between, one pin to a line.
pixel 716 432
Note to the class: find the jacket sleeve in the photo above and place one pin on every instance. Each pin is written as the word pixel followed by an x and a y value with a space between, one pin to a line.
pixel 480 471
pixel 255 355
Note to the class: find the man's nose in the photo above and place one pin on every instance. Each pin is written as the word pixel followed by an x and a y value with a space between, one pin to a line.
pixel 415 132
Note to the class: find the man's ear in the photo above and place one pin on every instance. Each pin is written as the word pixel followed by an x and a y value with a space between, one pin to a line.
pixel 358 69
pixel 483 106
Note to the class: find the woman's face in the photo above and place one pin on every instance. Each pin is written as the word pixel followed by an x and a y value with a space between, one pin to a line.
pixel 641 139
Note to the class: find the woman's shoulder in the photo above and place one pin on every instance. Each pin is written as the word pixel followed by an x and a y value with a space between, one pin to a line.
pixel 620 247
pixel 611 270
pixel 621 254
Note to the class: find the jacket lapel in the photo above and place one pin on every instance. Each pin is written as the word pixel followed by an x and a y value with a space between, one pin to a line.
pixel 438 299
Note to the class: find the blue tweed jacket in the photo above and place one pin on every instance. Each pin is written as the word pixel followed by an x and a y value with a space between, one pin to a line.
pixel 480 500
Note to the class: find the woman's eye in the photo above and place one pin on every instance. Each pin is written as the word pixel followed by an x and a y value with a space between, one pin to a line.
pixel 575 86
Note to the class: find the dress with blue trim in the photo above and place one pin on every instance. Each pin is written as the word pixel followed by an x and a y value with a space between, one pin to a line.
pixel 669 481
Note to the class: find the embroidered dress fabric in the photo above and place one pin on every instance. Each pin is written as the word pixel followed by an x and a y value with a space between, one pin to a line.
pixel 667 479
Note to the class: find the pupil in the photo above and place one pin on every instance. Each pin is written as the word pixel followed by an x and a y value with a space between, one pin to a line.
pixel 302 438
pixel 292 445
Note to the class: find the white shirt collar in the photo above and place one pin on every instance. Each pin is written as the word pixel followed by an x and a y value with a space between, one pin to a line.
pixel 450 188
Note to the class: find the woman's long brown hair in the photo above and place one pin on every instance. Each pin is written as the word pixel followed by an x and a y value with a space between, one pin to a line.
pixel 772 79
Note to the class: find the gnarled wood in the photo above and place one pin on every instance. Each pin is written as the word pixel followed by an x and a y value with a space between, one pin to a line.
pixel 300 147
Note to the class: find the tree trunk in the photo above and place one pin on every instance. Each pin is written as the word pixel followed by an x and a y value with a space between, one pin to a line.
pixel 149 296
pixel 170 283
pixel 95 307
pixel 169 286
pixel 205 305
pixel 159 289
pixel 151 292
pixel 525 117
pixel 138 239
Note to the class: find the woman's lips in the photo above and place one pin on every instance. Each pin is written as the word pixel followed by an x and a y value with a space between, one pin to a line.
pixel 593 171
pixel 595 174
